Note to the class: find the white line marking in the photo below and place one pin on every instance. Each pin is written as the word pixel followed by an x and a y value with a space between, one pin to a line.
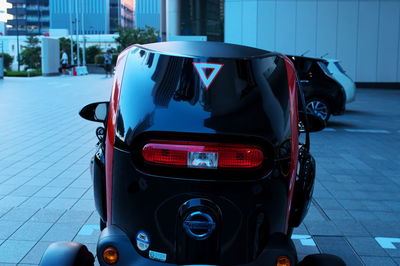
pixel 329 129
pixel 380 131
pixel 305 240
pixel 387 242
pixel 88 229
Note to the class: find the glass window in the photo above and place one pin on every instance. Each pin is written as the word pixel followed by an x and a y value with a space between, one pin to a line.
pixel 203 18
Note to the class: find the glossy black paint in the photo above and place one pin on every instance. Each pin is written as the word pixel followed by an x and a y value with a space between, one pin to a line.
pixel 317 83
pixel 162 97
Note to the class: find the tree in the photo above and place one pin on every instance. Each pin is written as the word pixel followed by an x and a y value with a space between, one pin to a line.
pixel 7 60
pixel 129 36
pixel 31 56
pixel 91 53
pixel 65 44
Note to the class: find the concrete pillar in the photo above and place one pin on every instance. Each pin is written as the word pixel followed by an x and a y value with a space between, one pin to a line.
pixel 172 18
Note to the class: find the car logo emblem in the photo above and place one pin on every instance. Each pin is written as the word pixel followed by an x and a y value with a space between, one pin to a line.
pixel 201 68
pixel 199 225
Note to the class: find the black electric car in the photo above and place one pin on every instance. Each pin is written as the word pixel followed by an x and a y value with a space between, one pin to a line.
pixel 199 160
pixel 324 95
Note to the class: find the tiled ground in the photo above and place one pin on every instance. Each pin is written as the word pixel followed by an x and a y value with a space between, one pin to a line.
pixel 45 185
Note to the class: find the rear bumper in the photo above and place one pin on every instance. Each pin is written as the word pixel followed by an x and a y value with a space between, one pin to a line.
pixel 113 236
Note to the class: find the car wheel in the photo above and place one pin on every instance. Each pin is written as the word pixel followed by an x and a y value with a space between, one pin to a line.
pixel 319 108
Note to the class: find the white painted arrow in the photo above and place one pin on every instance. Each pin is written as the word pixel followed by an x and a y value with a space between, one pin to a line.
pixel 88 229
pixel 305 240
pixel 387 242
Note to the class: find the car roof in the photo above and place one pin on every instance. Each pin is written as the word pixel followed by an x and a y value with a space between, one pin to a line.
pixel 204 49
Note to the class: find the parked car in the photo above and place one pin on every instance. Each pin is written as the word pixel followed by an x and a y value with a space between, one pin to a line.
pixel 338 73
pixel 324 95
pixel 199 160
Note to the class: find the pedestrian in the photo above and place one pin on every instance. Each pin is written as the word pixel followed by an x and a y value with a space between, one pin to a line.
pixel 64 62
pixel 108 63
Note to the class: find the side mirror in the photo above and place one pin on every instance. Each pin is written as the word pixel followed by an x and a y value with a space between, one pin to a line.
pixel 314 123
pixel 96 112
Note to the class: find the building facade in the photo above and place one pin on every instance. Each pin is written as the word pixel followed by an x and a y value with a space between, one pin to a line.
pixel 80 16
pixel 36 17
pixel 363 34
pixel 30 17
pixel 122 13
pixel 147 13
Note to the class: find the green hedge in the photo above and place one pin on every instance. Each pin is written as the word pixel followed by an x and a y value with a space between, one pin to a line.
pixel 22 73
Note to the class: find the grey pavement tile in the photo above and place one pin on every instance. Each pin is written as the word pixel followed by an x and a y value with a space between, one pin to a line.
pixel 393 205
pixel 4 210
pixel 330 203
pixel 394 253
pixel 31 231
pixel 363 215
pixel 30 172
pixel 17 180
pixel 84 205
pixel 338 214
pixel 38 181
pixel 49 191
pixel 35 254
pixel 366 246
pixel 35 202
pixel 72 192
pixel 376 206
pixel 88 239
pixel 82 182
pixel 19 214
pixel 374 261
pixel 305 250
pixel 95 218
pixel 15 250
pixel 76 217
pixel 12 201
pixel 387 216
pixel 339 247
pixel 88 194
pixel 61 181
pixel 61 203
pixel 47 215
pixel 314 214
pixel 7 189
pixel 381 229
pixel 25 190
pixel 322 228
pixel 397 260
pixel 61 232
pixel 351 228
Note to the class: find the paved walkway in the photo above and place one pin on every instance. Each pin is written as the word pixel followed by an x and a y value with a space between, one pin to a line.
pixel 45 184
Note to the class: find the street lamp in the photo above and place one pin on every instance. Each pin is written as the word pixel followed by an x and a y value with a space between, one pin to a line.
pixel 16 15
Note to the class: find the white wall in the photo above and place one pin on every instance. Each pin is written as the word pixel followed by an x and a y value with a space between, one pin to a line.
pixel 363 34
pixel 50 56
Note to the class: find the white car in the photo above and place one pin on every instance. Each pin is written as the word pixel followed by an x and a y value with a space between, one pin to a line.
pixel 340 75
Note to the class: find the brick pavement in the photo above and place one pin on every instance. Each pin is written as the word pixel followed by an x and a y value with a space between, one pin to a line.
pixel 45 185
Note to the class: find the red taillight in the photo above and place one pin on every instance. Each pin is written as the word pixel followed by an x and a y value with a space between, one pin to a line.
pixel 202 155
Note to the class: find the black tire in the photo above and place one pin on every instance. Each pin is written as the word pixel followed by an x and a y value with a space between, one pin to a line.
pixel 322 260
pixel 67 254
pixel 319 107
pixel 84 257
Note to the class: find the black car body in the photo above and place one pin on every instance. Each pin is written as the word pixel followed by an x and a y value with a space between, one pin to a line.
pixel 199 162
pixel 323 94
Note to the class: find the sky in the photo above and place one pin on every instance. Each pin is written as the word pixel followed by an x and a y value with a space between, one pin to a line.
pixel 3 10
